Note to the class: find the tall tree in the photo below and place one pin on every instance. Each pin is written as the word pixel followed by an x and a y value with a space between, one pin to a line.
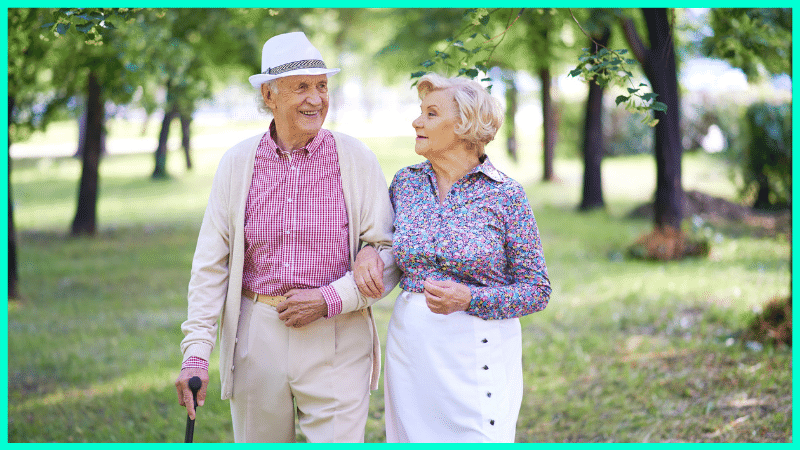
pixel 85 221
pixel 94 61
pixel 13 274
pixel 658 62
pixel 28 86
pixel 593 142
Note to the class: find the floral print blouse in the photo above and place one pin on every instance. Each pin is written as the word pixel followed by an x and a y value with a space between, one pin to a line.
pixel 482 235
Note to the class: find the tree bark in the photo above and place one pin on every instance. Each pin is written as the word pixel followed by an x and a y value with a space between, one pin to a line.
pixel 13 274
pixel 160 170
pixel 82 121
pixel 668 206
pixel 86 215
pixel 511 112
pixel 593 143
pixel 659 66
pixel 186 137
pixel 549 125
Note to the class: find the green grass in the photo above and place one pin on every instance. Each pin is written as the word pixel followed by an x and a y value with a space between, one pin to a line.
pixel 626 351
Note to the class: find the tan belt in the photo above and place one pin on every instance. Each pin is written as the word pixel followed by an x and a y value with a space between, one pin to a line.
pixel 272 301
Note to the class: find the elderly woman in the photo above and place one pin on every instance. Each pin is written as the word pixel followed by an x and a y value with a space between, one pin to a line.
pixel 467 243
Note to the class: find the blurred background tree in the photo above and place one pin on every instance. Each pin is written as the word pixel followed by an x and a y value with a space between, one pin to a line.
pixel 92 61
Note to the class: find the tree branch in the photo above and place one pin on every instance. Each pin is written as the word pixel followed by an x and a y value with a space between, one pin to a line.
pixel 639 50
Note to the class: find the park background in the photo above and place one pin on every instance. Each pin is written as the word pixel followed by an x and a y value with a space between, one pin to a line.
pixel 631 348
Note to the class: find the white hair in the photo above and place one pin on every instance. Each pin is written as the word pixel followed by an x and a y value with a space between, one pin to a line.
pixel 481 114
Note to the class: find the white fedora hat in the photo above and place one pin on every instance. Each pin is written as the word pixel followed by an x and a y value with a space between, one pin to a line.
pixel 289 54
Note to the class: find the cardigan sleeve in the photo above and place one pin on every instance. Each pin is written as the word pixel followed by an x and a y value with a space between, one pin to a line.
pixel 210 271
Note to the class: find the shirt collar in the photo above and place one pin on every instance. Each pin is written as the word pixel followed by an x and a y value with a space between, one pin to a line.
pixel 486 168
pixel 311 148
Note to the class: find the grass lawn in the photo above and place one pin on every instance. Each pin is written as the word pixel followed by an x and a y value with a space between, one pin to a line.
pixel 626 351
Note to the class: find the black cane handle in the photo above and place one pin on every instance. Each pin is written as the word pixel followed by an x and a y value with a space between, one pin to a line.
pixel 194 384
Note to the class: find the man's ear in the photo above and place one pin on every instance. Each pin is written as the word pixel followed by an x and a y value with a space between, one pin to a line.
pixel 268 95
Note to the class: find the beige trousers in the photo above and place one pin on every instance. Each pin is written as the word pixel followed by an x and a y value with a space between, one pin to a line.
pixel 321 372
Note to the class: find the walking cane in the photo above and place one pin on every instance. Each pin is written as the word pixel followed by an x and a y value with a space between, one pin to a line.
pixel 194 385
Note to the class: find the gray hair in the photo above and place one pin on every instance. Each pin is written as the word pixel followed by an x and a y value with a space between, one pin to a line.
pixel 272 85
pixel 481 114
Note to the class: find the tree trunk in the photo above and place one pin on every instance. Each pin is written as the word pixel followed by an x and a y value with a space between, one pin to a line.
pixel 160 170
pixel 593 144
pixel 511 112
pixel 82 122
pixel 86 215
pixel 13 277
pixel 186 137
pixel 549 125
pixel 662 73
pixel 667 241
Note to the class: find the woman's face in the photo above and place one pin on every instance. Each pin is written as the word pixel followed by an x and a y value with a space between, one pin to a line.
pixel 436 124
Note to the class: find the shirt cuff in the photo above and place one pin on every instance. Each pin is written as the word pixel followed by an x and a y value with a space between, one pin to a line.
pixel 332 299
pixel 195 362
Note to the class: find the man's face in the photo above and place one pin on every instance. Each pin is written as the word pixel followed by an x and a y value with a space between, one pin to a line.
pixel 301 104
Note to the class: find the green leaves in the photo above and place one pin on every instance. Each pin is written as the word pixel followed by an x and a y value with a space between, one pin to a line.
pixel 469 51
pixel 758 41
pixel 608 68
pixel 93 22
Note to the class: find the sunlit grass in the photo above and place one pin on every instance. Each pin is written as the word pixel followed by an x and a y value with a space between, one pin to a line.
pixel 626 351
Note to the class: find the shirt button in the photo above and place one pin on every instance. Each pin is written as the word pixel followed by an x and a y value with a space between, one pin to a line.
pixel 485 340
pixel 488 394
pixel 491 422
pixel 485 367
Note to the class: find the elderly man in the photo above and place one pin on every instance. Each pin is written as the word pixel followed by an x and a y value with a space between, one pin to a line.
pixel 275 262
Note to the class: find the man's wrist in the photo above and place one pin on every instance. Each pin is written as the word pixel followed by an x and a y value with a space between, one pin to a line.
pixel 195 362
pixel 332 301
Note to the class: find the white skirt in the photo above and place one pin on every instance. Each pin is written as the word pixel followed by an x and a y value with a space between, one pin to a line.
pixel 450 378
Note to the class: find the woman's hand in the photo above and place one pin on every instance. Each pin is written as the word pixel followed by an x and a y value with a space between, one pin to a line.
pixel 445 297
pixel 368 272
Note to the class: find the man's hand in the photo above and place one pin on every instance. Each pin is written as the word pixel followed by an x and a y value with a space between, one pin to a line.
pixel 301 307
pixel 185 394
pixel 368 272
pixel 445 297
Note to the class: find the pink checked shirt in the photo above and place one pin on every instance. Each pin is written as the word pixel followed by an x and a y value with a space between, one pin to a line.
pixel 295 222
pixel 295 226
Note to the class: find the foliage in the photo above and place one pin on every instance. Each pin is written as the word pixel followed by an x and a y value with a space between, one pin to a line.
pixel 528 38
pixel 51 52
pixel 773 326
pixel 93 22
pixel 767 157
pixel 465 46
pixel 608 67
pixel 36 101
pixel 756 40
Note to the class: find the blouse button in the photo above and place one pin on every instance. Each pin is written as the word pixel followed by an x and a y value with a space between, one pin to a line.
pixel 485 340
pixel 491 422
pixel 485 367
pixel 488 394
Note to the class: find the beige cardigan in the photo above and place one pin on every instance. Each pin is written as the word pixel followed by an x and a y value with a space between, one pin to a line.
pixel 215 286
